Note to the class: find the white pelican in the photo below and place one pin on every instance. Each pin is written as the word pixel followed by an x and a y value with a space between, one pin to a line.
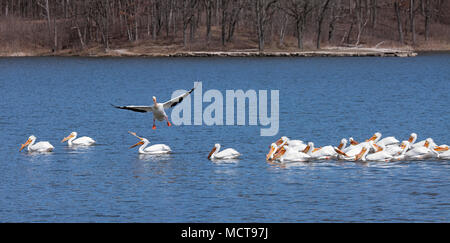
pixel 444 155
pixel 157 108
pixel 287 154
pixel 38 147
pixel 421 152
pixel 412 138
pixel 82 141
pixel 388 141
pixel 361 155
pixel 404 146
pixel 326 152
pixel 154 149
pixel 296 144
pixel 422 143
pixel 228 153
pixel 380 155
pixel 358 146
pixel 343 144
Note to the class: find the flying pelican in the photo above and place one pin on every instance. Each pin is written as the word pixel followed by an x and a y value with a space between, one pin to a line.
pixel 228 153
pixel 82 141
pixel 154 149
pixel 157 108
pixel 38 147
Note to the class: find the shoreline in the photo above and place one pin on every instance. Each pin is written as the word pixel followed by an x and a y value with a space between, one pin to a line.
pixel 326 52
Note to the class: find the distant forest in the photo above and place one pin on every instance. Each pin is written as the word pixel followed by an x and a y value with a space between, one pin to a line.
pixel 163 25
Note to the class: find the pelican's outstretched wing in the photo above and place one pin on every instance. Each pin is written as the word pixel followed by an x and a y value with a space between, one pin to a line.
pixel 175 101
pixel 135 108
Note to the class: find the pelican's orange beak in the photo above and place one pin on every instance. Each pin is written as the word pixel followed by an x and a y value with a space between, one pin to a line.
pixel 270 152
pixel 411 138
pixel 353 142
pixel 67 138
pixel 378 147
pixel 279 153
pixel 316 149
pixel 439 149
pixel 25 144
pixel 139 143
pixel 340 146
pixel 340 152
pixel 358 156
pixel 373 138
pixel 306 149
pixel 426 144
pixel 278 142
pixel 211 153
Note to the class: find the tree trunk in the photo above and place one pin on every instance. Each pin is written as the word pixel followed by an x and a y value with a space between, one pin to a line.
pixel 399 22
pixel 412 22
pixel 319 23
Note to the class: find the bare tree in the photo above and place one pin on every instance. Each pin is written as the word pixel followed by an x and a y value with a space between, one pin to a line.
pixel 264 11
pixel 399 21
pixel 320 19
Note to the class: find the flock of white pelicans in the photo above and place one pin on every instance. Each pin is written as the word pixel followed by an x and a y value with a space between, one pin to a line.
pixel 287 150
pixel 372 149
pixel 283 150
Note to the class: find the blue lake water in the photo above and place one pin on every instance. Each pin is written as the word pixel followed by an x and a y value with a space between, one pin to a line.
pixel 321 100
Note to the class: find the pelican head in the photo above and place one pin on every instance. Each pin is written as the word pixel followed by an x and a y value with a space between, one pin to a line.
pixel 412 138
pixel 428 141
pixel 352 141
pixel 154 100
pixel 143 141
pixel 343 143
pixel 375 137
pixel 71 135
pixel 213 150
pixel 405 144
pixel 283 139
pixel 273 149
pixel 30 139
pixel 308 147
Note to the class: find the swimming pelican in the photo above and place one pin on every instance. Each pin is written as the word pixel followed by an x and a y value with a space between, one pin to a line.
pixel 421 152
pixel 404 146
pixel 296 144
pixel 431 143
pixel 444 155
pixel 388 141
pixel 157 108
pixel 343 144
pixel 154 149
pixel 82 141
pixel 356 147
pixel 380 155
pixel 361 155
pixel 38 147
pixel 228 153
pixel 287 154
pixel 326 152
